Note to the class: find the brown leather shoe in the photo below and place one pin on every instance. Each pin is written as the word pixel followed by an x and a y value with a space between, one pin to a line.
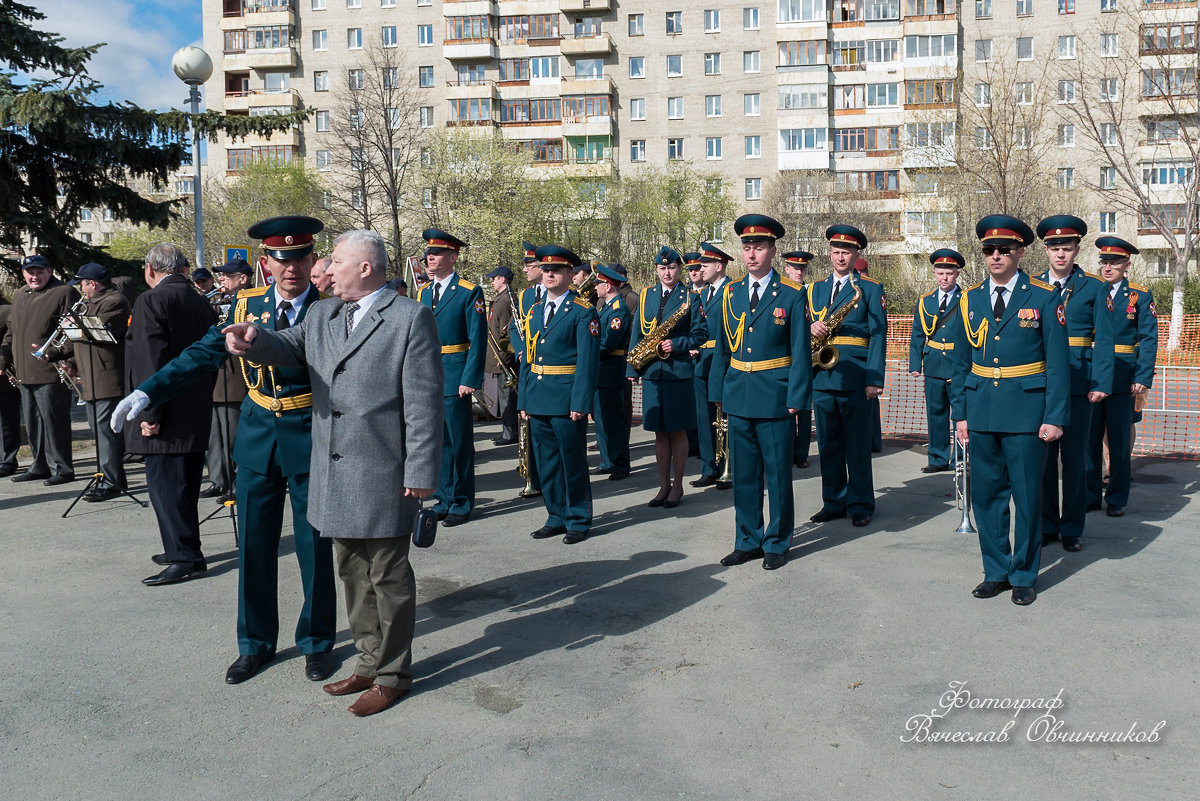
pixel 354 684
pixel 375 700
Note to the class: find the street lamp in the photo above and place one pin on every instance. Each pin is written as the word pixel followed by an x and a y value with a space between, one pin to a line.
pixel 194 67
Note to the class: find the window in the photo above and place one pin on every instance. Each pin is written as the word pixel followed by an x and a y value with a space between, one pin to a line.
pixel 1173 215
pixel 85 215
pixel 387 3
pixel 883 94
pixel 353 3
pixel 389 35
pixel 983 9
pixel 471 74
pixel 1168 82
pixel 1025 8
pixel 1162 130
pixel 848 54
pixel 354 79
pixel 928 93
pixel 983 94
pixel 849 97
pixel 929 134
pixel 1167 173
pixel 1108 45
pixel 808 95
pixel 1108 177
pixel 1022 139
pixel 1173 38
pixel 637 28
pixel 1066 47
pixel 752 103
pixel 427 197
pixel 792 140
pixel 320 80
pixel 544 67
pixel 1023 92
pixel 425 35
pixel 321 119
pixel 425 77
pixel 1108 222
pixel 1108 133
pixel 1024 48
pixel 1108 5
pixel 675 149
pixel 1110 90
pixel 754 189
pixel 1066 135
pixel 883 51
pixel 324 160
pixel 1066 6
pixel 674 24
pixel 712 20
pixel 1066 91
pixel 712 105
pixel 861 140
pixel 637 67
pixel 1066 177
pixel 426 116
pixel 712 148
pixel 674 66
pixel 424 2
pixel 750 61
pixel 320 40
pixel 637 148
pixel 674 108
pixel 390 77
pixel 586 68
pixel 750 19
pixel 712 63
pixel 474 109
pixel 268 36
pixel 318 5
pixel 753 147
pixel 514 69
pixel 357 119
pixel 637 108
pixel 945 44
pixel 801 10
pixel 354 38
pixel 925 8
pixel 802 54
pixel 881 9
pixel 983 139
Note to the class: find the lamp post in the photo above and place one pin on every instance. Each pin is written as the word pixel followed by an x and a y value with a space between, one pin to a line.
pixel 194 67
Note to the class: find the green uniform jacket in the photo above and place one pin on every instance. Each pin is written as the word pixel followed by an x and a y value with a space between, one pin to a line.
pixel 1134 324
pixel 571 341
pixel 1089 334
pixel 686 335
pixel 933 353
pixel 615 324
pixel 461 317
pixel 859 365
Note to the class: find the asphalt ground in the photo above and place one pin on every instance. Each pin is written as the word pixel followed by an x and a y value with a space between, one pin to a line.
pixel 630 666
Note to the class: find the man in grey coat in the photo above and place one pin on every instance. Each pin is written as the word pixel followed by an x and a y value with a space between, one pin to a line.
pixel 376 369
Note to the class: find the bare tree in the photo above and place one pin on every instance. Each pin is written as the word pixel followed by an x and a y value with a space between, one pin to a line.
pixel 1138 113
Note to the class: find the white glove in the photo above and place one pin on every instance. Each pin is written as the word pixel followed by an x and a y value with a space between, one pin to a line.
pixel 130 407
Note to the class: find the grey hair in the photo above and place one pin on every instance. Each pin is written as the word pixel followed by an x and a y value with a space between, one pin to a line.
pixel 369 245
pixel 167 259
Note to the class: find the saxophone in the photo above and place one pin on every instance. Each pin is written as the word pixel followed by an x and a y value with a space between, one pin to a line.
pixel 650 346
pixel 825 354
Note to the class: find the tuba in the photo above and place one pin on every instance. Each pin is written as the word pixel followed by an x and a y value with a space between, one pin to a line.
pixel 650 346
pixel 825 354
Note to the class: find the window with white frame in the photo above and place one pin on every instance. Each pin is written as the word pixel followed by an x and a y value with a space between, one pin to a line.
pixel 1108 134
pixel 1023 93
pixel 354 38
pixel 674 108
pixel 1108 5
pixel 801 10
pixel 387 3
pixel 425 77
pixel 85 215
pixel 637 108
pixel 320 80
pixel 1066 47
pixel 425 35
pixel 320 40
pixel 390 77
pixel 637 26
pixel 318 5
pixel 389 36
pixel 1108 177
pixel 674 22
pixel 1022 137
pixel 712 20
pixel 1024 48
pixel 357 119
pixel 712 148
pixel 1066 177
pixel 353 3
pixel 793 140
pixel 544 67
pixel 1109 45
pixel 1108 222
pixel 424 2
pixel 637 67
pixel 804 95
pixel 637 149
pixel 752 104
pixel 983 138
pixel 1066 91
pixel 983 9
pixel 753 147
pixel 324 160
pixel 983 94
pixel 751 61
pixel 712 63
pixel 754 189
pixel 1066 135
pixel 426 116
pixel 983 51
pixel 1110 90
pixel 354 79
pixel 883 94
pixel 1024 8
pixel 674 66
pixel 675 149
pixel 712 105
pixel 321 120
pixel 750 19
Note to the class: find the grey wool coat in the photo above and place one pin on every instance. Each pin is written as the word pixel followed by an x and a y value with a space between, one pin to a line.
pixel 377 411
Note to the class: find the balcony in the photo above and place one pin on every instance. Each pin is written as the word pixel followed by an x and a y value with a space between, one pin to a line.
pixel 288 138
pixel 571 6
pixel 275 58
pixel 600 85
pixel 469 49
pixel 237 102
pixel 590 44
pixel 587 126
pixel 471 87
pixel 260 98
pixel 580 167
pixel 468 8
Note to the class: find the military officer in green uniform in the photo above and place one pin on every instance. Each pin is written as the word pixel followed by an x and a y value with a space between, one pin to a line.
pixel 761 377
pixel 558 383
pixel 609 409
pixel 271 451
pixel 712 279
pixel 841 396
pixel 525 301
pixel 1089 340
pixel 1009 397
pixel 795 266
pixel 931 352
pixel 1134 328
pixel 461 315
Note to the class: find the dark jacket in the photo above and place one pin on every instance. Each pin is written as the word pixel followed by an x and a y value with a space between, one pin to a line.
pixel 499 318
pixel 101 365
pixel 166 319
pixel 33 320
pixel 5 309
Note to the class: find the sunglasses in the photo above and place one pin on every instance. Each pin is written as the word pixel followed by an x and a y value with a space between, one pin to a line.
pixel 1001 249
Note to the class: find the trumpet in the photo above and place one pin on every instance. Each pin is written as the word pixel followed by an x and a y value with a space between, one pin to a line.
pixel 73 383
pixel 962 482
pixel 498 353
pixel 10 378
pixel 61 337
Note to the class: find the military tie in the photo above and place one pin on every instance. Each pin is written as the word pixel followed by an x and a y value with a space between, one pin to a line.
pixel 351 308
pixel 1058 285
pixel 549 315
pixel 837 291
pixel 437 294
pixel 662 303
pixel 537 294
pixel 281 320
pixel 753 296
pixel 998 309
pixel 944 303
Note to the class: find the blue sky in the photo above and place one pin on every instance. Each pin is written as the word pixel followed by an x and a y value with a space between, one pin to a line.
pixel 135 64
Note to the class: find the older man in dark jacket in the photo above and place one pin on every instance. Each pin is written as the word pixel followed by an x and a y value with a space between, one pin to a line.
pixel 10 407
pixel 173 436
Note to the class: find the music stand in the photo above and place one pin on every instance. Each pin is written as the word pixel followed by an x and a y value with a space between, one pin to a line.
pixel 226 459
pixel 89 328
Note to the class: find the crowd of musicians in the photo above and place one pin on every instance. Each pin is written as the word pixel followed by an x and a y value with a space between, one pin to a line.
pixel 1031 385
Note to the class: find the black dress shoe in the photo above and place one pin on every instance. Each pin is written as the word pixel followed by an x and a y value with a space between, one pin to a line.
pixel 442 515
pixel 452 520
pixel 803 463
pixel 67 478
pixel 774 561
pixel 160 559
pixel 704 481
pixel 574 537
pixel 600 471
pixel 724 485
pixel 618 476
pixel 173 574
pixel 671 504
pixel 1072 544
pixel 546 532
pixel 1091 507
pixel 741 557
pixel 212 491
pixel 318 667
pixel 226 498
pixel 1115 511
pixel 246 666
pixel 104 491
pixel 1023 596
pixel 990 589
pixel 935 468
pixel 7 470
pixel 1049 537
pixel 860 520
pixel 657 502
pixel 28 476
pixel 825 516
